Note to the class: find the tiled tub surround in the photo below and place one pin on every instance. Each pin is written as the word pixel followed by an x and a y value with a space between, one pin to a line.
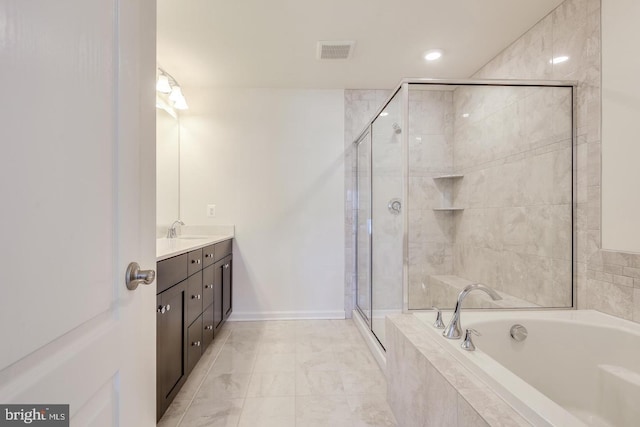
pixel 427 387
pixel 555 377
pixel 284 373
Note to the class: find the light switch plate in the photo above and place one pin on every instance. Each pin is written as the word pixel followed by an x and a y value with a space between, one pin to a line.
pixel 211 211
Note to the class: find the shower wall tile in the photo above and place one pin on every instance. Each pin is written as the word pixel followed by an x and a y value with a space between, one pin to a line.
pixel 573 29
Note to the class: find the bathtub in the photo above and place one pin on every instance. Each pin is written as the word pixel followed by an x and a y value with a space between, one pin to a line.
pixel 575 368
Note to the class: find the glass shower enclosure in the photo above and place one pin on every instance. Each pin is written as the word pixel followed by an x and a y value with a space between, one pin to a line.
pixel 461 182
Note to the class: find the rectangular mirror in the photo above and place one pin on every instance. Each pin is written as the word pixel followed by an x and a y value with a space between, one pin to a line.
pixel 167 168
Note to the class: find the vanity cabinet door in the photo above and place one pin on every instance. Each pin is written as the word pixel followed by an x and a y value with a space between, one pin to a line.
pixel 207 327
pixel 207 286
pixel 194 297
pixel 170 344
pixel 194 344
pixel 217 297
pixel 227 288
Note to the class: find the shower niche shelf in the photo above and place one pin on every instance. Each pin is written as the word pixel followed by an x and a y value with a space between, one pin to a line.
pixel 446 186
pixel 449 176
pixel 451 209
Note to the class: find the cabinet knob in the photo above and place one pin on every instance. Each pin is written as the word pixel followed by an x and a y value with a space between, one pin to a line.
pixel 168 307
pixel 208 327
pixel 196 296
pixel 195 261
pixel 196 344
pixel 161 309
pixel 208 286
pixel 226 266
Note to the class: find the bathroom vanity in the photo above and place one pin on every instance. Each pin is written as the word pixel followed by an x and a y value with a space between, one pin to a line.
pixel 194 299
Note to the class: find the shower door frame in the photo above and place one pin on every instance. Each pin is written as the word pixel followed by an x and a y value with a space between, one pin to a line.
pixel 403 87
pixel 364 135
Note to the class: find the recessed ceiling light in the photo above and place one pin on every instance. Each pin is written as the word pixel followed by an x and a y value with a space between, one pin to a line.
pixel 384 113
pixel 433 54
pixel 559 59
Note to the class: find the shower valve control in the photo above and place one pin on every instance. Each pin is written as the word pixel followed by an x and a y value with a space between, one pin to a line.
pixel 394 206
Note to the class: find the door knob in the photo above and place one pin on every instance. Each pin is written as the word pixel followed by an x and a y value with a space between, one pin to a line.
pixel 134 276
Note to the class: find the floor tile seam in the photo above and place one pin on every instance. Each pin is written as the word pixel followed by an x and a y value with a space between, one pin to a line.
pixel 204 377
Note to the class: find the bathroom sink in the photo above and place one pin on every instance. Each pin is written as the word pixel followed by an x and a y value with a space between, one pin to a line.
pixel 192 237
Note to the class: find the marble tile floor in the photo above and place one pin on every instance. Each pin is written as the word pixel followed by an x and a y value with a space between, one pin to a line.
pixel 303 373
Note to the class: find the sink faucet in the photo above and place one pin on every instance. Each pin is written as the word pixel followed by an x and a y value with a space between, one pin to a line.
pixel 171 234
pixel 453 330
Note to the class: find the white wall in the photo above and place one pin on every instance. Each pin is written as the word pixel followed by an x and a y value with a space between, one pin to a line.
pixel 620 125
pixel 272 161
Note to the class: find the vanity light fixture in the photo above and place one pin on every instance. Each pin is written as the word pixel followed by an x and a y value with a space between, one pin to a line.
pixel 465 115
pixel 559 60
pixel 433 54
pixel 166 84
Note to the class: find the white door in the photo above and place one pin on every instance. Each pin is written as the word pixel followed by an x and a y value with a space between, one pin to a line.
pixel 77 130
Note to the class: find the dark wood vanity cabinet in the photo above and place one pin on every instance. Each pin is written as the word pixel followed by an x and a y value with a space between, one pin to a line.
pixel 171 342
pixel 194 299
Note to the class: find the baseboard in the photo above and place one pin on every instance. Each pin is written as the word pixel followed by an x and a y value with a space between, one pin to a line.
pixel 285 315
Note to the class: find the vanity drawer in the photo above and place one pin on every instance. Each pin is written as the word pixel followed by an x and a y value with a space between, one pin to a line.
pixel 194 297
pixel 223 249
pixel 171 271
pixel 195 261
pixel 209 255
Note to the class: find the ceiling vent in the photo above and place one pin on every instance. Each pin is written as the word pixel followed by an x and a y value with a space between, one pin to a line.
pixel 335 49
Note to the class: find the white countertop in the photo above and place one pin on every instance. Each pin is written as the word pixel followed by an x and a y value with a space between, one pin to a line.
pixel 167 248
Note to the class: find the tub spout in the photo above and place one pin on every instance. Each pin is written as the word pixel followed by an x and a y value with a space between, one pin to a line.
pixel 453 331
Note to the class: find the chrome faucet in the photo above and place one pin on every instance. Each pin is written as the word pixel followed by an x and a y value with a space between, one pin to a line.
pixel 453 330
pixel 171 234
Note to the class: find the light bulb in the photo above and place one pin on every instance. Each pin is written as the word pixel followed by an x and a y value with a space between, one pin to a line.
pixel 181 104
pixel 163 85
pixel 433 54
pixel 176 94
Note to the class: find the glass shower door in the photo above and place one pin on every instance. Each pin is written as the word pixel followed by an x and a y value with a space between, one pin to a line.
pixel 387 217
pixel 363 227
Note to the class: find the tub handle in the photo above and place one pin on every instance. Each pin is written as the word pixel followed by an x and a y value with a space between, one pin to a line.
pixel 438 324
pixel 467 343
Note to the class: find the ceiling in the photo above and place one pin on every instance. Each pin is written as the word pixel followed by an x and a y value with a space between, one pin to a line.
pixel 272 43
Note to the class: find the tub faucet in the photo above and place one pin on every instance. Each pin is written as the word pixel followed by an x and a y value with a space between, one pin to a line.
pixel 171 233
pixel 453 330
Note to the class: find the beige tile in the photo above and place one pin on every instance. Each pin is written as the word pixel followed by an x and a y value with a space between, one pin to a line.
pixel 277 362
pixel 174 413
pixel 371 381
pixel 224 384
pixel 349 360
pixel 269 384
pixel 318 383
pixel 233 361
pixel 273 346
pixel 371 411
pixel 467 416
pixel 316 411
pixel 268 412
pixel 324 361
pixel 209 412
